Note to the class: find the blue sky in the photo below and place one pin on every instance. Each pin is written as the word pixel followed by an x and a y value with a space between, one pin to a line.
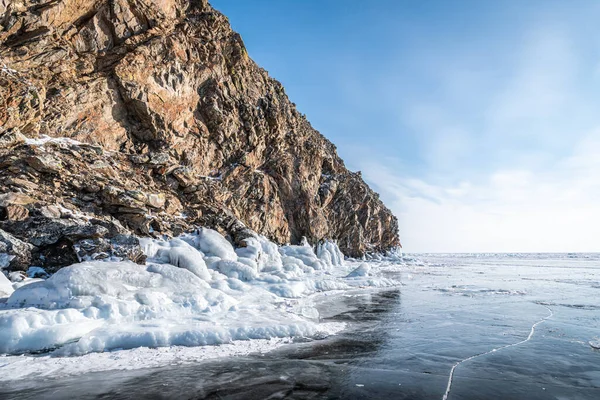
pixel 478 122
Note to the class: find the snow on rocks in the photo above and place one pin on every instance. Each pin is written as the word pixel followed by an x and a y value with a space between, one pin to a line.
pixel 44 139
pixel 194 290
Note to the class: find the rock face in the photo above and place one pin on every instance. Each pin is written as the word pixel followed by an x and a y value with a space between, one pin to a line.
pixel 157 120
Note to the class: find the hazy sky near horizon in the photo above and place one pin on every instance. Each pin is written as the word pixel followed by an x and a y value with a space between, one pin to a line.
pixel 478 122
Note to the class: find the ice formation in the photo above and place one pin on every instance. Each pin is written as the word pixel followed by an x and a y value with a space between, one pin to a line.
pixel 6 288
pixel 194 290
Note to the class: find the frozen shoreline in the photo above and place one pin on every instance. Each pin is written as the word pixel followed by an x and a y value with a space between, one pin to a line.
pixel 48 366
pixel 196 295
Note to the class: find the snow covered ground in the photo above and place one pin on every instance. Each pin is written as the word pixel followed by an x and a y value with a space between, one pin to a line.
pixel 195 290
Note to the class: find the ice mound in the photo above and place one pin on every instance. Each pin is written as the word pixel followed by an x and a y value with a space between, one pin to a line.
pixel 178 253
pixel 6 288
pixel 194 290
pixel 330 253
pixel 362 270
pixel 262 252
pixel 212 243
pixel 302 256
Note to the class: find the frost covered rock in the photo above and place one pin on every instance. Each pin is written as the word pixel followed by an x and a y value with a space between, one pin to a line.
pixel 127 247
pixel 14 253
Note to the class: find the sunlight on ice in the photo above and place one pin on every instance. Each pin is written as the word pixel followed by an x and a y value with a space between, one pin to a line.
pixel 194 290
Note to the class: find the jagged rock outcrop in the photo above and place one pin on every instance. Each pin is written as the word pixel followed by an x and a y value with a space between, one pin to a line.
pixel 170 124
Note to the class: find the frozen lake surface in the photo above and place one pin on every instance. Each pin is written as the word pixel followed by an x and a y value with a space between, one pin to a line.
pixel 402 342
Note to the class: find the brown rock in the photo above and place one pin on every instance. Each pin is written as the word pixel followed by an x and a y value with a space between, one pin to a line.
pixel 22 183
pixel 14 213
pixel 50 211
pixel 11 139
pixel 14 198
pixel 174 118
pixel 44 163
pixel 156 200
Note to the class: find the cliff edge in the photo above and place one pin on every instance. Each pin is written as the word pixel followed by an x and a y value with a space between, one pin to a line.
pixel 130 117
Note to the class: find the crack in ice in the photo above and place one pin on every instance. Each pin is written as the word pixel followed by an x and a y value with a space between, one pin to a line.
pixel 445 397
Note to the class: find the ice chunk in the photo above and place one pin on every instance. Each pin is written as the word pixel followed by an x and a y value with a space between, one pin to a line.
pixel 194 290
pixel 249 262
pixel 362 270
pixel 303 253
pixel 6 288
pixel 98 294
pixel 178 253
pixel 5 260
pixel 37 272
pixel 235 269
pixel 211 243
pixel 264 252
pixel 17 276
pixel 32 330
pixel 329 252
pixel 26 281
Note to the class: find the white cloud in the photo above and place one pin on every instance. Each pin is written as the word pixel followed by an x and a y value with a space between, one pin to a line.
pixel 542 81
pixel 518 171
pixel 509 211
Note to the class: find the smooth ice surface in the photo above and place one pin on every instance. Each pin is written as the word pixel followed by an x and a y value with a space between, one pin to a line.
pixel 195 290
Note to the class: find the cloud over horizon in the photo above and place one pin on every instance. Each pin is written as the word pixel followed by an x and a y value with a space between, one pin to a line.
pixel 534 182
pixel 477 122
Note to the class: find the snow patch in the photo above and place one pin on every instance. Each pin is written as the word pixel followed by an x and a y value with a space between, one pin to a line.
pixel 44 139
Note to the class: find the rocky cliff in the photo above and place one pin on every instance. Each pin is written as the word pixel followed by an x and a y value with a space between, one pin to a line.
pixel 147 117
